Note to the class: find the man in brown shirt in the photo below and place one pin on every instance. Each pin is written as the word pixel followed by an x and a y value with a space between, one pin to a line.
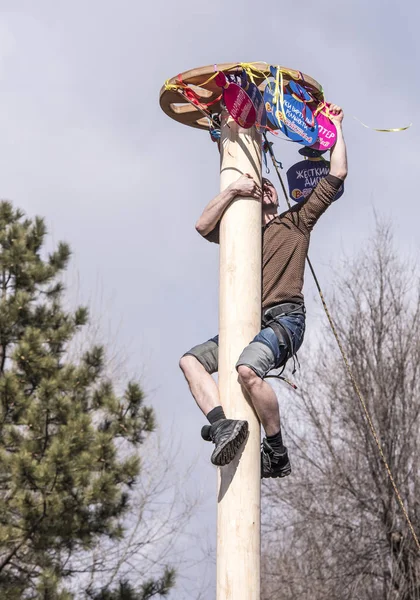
pixel 284 250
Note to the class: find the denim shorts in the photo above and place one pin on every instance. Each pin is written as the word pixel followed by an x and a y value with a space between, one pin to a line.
pixel 264 353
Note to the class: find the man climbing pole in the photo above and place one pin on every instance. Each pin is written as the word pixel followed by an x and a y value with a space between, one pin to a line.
pixel 285 247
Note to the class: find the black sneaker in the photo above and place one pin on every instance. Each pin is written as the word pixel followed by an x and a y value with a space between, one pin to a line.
pixel 273 463
pixel 227 435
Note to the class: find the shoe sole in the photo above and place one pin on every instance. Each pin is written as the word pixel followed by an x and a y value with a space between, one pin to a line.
pixel 284 472
pixel 225 453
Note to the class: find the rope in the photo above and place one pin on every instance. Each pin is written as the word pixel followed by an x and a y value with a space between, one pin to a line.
pixel 203 111
pixel 349 370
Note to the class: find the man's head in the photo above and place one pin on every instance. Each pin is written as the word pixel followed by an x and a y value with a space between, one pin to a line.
pixel 270 199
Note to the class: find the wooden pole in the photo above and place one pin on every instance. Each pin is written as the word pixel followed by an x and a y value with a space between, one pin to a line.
pixel 238 527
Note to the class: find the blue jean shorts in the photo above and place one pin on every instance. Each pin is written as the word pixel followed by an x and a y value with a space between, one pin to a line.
pixel 264 353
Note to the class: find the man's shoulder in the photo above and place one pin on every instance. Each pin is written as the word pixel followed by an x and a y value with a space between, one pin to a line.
pixel 290 211
pixel 287 218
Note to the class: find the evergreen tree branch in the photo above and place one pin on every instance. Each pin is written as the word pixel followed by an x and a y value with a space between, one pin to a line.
pixel 12 554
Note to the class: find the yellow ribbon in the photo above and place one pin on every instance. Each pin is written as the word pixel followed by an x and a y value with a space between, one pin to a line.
pixel 323 109
pixel 384 130
pixel 251 71
pixel 177 86
pixel 278 97
pixel 293 74
pixel 171 86
pixel 208 80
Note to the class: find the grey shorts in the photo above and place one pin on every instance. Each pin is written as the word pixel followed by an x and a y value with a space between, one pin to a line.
pixel 264 353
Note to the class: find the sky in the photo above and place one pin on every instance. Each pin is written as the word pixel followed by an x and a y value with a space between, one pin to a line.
pixel 85 144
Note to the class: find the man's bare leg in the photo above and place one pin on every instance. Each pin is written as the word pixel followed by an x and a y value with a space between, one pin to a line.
pixel 263 399
pixel 227 434
pixel 275 460
pixel 202 385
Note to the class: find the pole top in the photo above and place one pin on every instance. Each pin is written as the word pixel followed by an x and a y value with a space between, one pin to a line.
pixel 182 96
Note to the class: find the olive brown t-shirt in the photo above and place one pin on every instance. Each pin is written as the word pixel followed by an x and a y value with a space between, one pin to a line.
pixel 285 244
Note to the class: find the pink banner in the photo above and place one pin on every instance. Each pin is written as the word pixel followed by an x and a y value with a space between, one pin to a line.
pixel 327 133
pixel 238 103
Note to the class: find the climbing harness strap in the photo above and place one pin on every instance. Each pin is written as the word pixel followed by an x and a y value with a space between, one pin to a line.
pixel 284 309
pixel 282 333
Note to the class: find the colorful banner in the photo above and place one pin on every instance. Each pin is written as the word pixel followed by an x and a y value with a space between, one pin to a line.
pixel 327 132
pixel 258 102
pixel 300 122
pixel 238 104
pixel 290 112
pixel 270 104
pixel 304 176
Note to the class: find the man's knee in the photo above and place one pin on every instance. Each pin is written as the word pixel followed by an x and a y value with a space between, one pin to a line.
pixel 202 356
pixel 254 362
pixel 187 363
pixel 247 377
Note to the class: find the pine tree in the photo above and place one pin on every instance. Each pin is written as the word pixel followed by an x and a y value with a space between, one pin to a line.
pixel 149 589
pixel 64 485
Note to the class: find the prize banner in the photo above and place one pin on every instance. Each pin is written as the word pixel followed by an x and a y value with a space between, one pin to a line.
pixel 271 108
pixel 304 176
pixel 327 133
pixel 293 116
pixel 238 104
pixel 258 102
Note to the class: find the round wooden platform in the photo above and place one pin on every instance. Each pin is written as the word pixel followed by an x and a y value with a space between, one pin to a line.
pixel 178 108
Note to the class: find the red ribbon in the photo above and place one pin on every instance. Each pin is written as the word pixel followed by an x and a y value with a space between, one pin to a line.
pixel 193 96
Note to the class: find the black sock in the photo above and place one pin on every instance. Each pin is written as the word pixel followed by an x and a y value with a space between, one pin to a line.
pixel 275 441
pixel 216 414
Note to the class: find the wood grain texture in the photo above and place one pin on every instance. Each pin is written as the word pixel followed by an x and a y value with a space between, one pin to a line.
pixel 238 521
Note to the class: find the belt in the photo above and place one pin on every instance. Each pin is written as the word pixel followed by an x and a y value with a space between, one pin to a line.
pixel 285 308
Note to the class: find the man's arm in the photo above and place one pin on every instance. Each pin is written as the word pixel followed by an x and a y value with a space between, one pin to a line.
pixel 245 186
pixel 326 190
pixel 338 165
